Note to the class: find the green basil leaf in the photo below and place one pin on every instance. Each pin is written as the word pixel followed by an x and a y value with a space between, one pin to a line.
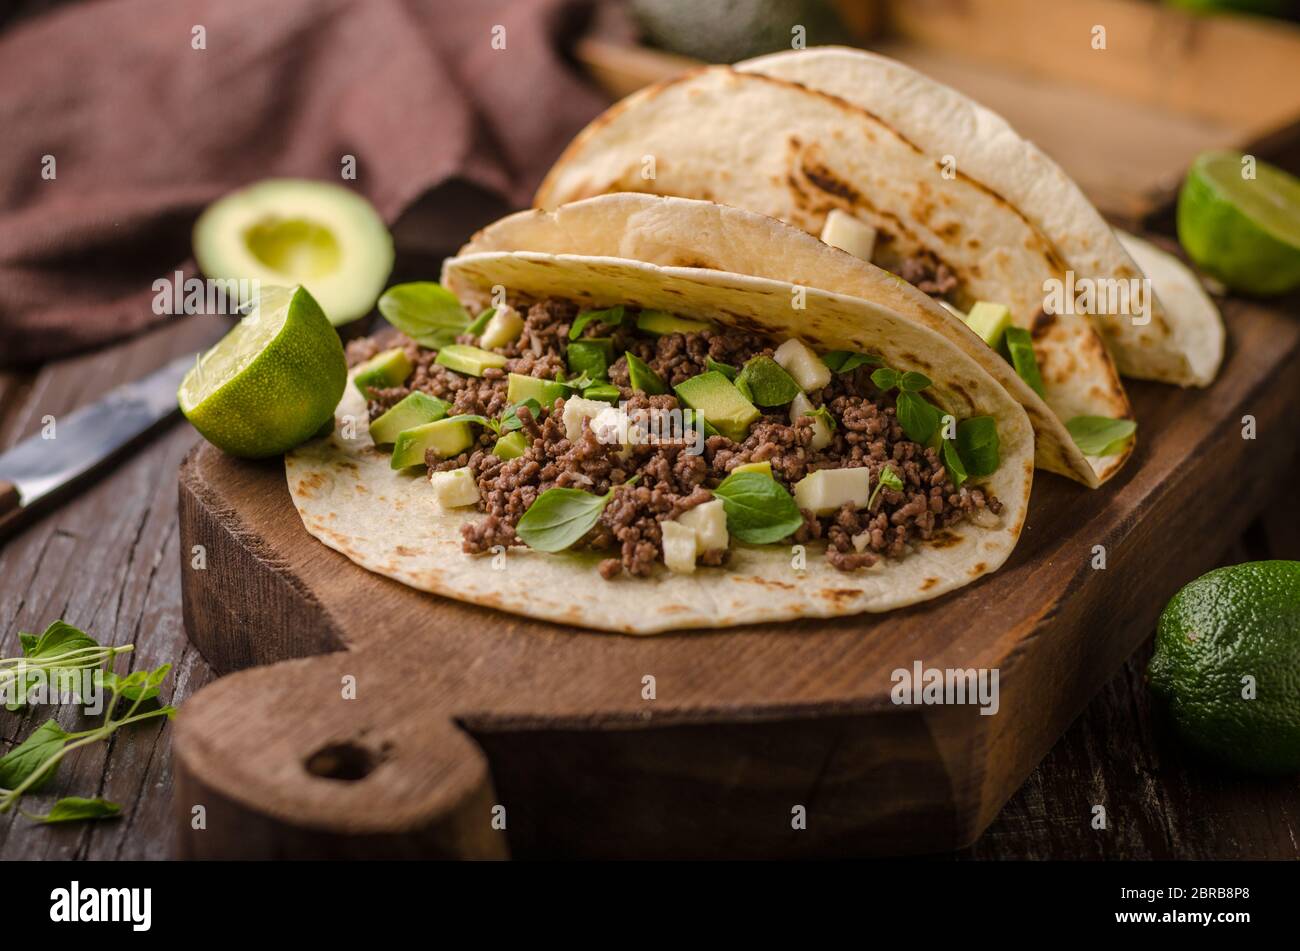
pixel 759 510
pixel 845 361
pixel 1100 435
pixel 726 369
pixel 952 462
pixel 559 518
pixel 918 417
pixel 510 420
pixel 888 479
pixel 76 809
pixel 1020 351
pixel 26 758
pixel 58 639
pixel 610 317
pixel 886 378
pixel 764 382
pixel 588 357
pixel 977 443
pixel 134 687
pixel 605 392
pixel 426 312
pixel 913 382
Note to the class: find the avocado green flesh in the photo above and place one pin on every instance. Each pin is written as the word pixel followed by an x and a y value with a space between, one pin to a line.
pixel 546 392
pixel 294 247
pixel 722 404
pixel 607 392
pixel 990 321
pixel 1226 661
pixel 415 410
pixel 390 368
pixel 661 322
pixel 469 360
pixel 765 382
pixel 511 446
pixel 447 437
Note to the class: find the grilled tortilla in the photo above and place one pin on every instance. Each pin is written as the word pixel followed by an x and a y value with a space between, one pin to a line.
pixel 781 149
pixel 386 520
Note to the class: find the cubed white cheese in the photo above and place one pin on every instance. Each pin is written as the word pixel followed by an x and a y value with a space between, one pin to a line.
pixel 802 406
pixel 802 364
pixel 842 230
pixel 709 521
pixel 502 328
pixel 824 491
pixel 576 409
pixel 610 426
pixel 679 547
pixel 455 488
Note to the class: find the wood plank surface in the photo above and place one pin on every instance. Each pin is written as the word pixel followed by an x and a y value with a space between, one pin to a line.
pixel 746 723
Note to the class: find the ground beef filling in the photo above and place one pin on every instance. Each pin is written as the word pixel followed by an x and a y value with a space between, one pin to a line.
pixel 671 480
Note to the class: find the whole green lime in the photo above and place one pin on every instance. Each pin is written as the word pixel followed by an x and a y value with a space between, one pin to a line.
pixel 1227 665
pixel 272 382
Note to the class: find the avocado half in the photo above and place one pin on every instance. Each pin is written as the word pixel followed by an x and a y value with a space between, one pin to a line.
pixel 297 231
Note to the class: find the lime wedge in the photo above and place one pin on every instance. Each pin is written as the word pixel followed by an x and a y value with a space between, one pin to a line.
pixel 272 382
pixel 1244 231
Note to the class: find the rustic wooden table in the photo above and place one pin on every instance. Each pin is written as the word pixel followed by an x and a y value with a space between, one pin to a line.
pixel 107 560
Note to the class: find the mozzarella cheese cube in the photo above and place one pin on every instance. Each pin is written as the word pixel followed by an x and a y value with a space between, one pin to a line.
pixel 502 328
pixel 802 406
pixel 842 230
pixel 802 364
pixel 824 491
pixel 709 522
pixel 680 547
pixel 611 427
pixel 454 488
pixel 576 409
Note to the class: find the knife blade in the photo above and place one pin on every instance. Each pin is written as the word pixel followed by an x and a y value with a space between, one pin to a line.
pixel 86 437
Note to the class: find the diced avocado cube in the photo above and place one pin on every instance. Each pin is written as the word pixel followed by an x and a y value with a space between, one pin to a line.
pixel 447 437
pixel 765 383
pixel 822 434
pixel 849 233
pixel 546 392
pixel 454 488
pixel 990 321
pixel 680 546
pixel 641 377
pixel 503 327
pixel 722 404
pixel 415 410
pixel 824 491
pixel 590 356
pixel 390 368
pixel 606 392
pixel 710 524
pixel 764 467
pixel 661 322
pixel 800 362
pixel 463 358
pixel 511 445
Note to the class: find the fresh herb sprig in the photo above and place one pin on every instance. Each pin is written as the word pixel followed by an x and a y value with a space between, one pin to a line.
pixel 888 479
pixel 759 509
pixel 559 518
pixel 31 764
pixel 426 312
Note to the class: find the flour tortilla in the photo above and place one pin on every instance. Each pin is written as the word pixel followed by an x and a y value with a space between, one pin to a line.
pixel 699 234
pixel 1182 344
pixel 777 148
pixel 387 522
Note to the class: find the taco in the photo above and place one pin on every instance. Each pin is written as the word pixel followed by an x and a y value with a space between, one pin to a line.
pixel 781 148
pixel 632 446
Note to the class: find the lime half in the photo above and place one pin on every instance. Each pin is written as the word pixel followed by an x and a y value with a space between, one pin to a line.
pixel 1244 231
pixel 272 382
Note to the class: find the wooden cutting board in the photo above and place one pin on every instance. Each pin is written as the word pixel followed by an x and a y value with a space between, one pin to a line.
pixel 411 725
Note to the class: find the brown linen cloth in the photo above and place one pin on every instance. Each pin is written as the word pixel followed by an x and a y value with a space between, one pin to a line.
pixel 145 130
